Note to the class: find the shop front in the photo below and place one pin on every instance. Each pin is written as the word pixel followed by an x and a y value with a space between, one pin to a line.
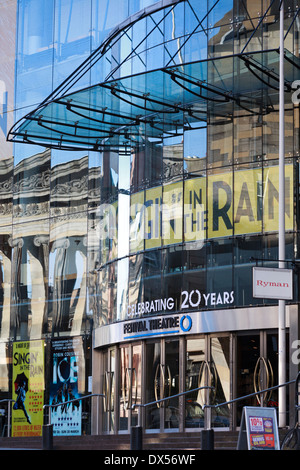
pixel 146 366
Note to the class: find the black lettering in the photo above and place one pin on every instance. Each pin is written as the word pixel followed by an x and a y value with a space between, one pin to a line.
pixel 274 194
pixel 221 211
pixel 259 191
pixel 16 359
pixel 244 200
pixel 198 199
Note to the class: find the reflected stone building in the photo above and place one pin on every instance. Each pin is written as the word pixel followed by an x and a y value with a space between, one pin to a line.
pixel 139 146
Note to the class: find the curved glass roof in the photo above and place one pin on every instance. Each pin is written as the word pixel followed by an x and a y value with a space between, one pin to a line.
pixel 154 103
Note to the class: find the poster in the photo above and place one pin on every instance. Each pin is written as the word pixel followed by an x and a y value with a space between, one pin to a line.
pixel 28 388
pixel 261 432
pixel 259 429
pixel 210 206
pixel 67 360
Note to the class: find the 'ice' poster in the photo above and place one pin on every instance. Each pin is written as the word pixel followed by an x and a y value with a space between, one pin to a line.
pixel 66 358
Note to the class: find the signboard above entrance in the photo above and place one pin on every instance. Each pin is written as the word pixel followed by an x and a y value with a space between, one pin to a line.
pixel 273 283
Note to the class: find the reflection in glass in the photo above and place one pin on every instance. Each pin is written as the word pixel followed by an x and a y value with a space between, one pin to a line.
pixel 30 245
pixel 173 158
pixel 135 291
pixel 195 357
pixel 108 389
pixel 171 384
pixel 67 282
pixel 245 249
pixel 125 390
pixel 220 369
pixel 220 266
pixel 6 187
pixel 29 291
pixel 35 52
pixel 130 385
pixel 92 238
pixel 201 372
pixel 68 247
pixel 195 151
pixel 123 234
pixel 153 384
pixel 248 352
pixel 72 37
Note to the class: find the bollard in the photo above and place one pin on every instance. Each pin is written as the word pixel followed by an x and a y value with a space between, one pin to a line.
pixel 207 439
pixel 136 438
pixel 48 437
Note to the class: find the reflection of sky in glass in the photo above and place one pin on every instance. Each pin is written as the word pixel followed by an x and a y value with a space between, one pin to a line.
pixel 59 156
pixel 123 232
pixel 219 11
pixel 195 143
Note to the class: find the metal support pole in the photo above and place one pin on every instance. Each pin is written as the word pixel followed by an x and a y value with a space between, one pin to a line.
pixel 136 433
pixel 281 232
pixel 47 437
pixel 8 418
pixel 97 425
pixel 47 433
pixel 207 435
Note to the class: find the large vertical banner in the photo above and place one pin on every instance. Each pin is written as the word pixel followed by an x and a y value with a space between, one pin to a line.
pixel 28 388
pixel 67 365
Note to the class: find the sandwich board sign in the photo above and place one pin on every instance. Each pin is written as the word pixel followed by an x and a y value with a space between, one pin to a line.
pixel 259 429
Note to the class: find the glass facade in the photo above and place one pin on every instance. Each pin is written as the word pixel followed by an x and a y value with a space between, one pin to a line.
pixel 142 182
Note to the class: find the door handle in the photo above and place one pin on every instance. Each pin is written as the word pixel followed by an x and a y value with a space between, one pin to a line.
pixel 160 380
pixel 257 379
pixel 108 387
pixel 130 398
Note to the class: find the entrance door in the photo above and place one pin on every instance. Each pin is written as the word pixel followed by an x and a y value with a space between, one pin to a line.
pixel 108 387
pixel 162 380
pixel 207 365
pixel 257 369
pixel 129 385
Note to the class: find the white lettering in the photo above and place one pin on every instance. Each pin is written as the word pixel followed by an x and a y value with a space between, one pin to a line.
pixel 190 300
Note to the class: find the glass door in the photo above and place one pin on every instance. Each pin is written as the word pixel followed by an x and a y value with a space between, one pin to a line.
pixel 153 384
pixel 171 384
pixel 162 381
pixel 257 369
pixel 219 360
pixel 272 356
pixel 247 357
pixel 207 365
pixel 129 385
pixel 195 372
pixel 108 387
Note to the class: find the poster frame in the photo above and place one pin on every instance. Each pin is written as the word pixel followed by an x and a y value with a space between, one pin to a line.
pixel 246 432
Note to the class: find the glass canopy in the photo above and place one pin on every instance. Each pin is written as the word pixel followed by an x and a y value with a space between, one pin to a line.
pixel 126 111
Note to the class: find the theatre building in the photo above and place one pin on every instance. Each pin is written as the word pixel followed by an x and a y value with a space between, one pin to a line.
pixel 139 189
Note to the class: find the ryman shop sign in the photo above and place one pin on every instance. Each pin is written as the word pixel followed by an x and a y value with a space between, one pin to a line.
pixel 273 283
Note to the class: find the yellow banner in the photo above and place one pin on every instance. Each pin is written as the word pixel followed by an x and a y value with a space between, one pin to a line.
pixel 172 213
pixel 195 214
pixel 28 388
pixel 153 198
pixel 213 206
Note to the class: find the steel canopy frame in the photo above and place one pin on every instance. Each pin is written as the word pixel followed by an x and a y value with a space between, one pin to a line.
pixel 118 111
pixel 119 108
